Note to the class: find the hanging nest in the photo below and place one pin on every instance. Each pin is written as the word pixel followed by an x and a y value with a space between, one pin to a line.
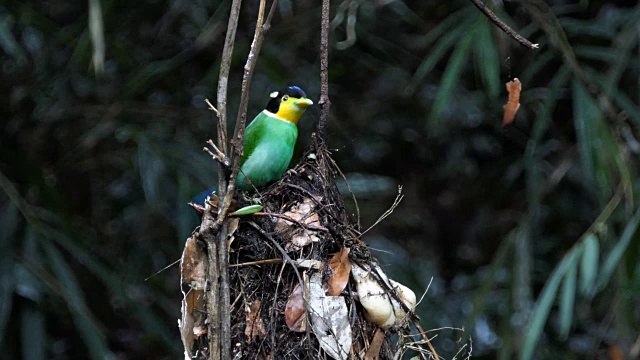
pixel 302 283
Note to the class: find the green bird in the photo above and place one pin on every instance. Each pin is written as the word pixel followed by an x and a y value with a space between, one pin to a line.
pixel 269 140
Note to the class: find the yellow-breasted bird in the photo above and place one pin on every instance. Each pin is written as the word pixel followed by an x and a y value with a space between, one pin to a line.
pixel 269 140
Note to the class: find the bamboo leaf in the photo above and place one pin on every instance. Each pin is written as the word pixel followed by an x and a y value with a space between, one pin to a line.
pixel 33 334
pixel 8 224
pixel 543 305
pixel 488 63
pixel 568 295
pixel 436 54
pixel 589 265
pixel 450 80
pixel 612 260
pixel 90 332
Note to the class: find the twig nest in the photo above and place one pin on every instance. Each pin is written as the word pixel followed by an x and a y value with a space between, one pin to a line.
pixel 381 306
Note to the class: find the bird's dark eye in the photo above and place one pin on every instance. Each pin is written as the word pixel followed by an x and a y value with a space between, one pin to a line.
pixel 285 98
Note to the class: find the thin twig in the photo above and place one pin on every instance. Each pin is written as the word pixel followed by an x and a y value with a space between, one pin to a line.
pixel 238 135
pixel 219 156
pixel 257 262
pixel 223 82
pixel 284 254
pixel 324 102
pixel 290 219
pixel 163 269
pixel 426 338
pixel 211 107
pixel 504 27
pixel 395 204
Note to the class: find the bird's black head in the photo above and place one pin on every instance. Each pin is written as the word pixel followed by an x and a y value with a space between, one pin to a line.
pixel 276 97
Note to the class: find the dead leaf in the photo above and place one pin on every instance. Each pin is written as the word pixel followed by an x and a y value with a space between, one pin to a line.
pixel 233 226
pixel 193 265
pixel 514 88
pixel 329 319
pixel 340 270
pixel 255 326
pixel 373 353
pixel 615 353
pixel 303 214
pixel 294 312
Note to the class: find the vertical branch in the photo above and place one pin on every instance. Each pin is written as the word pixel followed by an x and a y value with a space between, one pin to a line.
pixel 219 329
pixel 224 312
pixel 223 81
pixel 237 147
pixel 324 102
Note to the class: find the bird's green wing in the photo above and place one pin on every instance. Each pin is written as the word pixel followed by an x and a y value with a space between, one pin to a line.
pixel 269 144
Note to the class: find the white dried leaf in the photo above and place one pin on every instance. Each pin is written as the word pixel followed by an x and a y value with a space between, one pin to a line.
pixel 329 320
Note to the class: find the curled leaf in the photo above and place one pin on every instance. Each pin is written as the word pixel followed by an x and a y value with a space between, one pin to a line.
pixel 254 327
pixel 340 270
pixel 294 313
pixel 514 87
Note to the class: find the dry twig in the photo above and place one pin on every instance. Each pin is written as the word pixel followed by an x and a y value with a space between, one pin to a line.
pixel 504 27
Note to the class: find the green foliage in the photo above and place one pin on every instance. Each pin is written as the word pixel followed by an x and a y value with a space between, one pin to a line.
pixel 526 230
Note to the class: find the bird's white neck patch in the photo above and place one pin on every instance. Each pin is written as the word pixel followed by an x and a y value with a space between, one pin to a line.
pixel 269 113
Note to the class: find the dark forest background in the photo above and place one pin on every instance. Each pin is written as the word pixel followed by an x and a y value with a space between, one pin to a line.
pixel 528 234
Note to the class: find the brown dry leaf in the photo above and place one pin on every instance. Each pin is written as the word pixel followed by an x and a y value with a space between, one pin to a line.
pixel 255 326
pixel 373 353
pixel 233 226
pixel 294 313
pixel 303 213
pixel 615 353
pixel 193 265
pixel 340 271
pixel 514 88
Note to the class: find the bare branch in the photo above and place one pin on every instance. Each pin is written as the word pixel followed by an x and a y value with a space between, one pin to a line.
pixel 504 27
pixel 223 81
pixel 325 102
pixel 238 136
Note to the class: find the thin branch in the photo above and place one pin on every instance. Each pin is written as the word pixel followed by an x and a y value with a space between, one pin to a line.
pixel 219 156
pixel 257 262
pixel 389 211
pixel 238 136
pixel 284 254
pixel 217 292
pixel 504 27
pixel 223 82
pixel 325 102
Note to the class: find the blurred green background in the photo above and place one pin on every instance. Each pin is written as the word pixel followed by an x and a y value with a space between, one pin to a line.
pixel 528 234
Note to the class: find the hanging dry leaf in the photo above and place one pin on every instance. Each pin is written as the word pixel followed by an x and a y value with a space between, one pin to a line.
pixel 615 353
pixel 340 270
pixel 193 265
pixel 254 327
pixel 513 104
pixel 294 314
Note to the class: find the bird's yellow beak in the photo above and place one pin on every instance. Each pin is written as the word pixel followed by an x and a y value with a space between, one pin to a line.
pixel 303 103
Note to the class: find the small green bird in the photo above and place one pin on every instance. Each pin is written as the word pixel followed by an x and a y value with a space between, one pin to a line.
pixel 269 140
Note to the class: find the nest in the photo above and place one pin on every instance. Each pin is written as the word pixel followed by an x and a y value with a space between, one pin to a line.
pixel 303 238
